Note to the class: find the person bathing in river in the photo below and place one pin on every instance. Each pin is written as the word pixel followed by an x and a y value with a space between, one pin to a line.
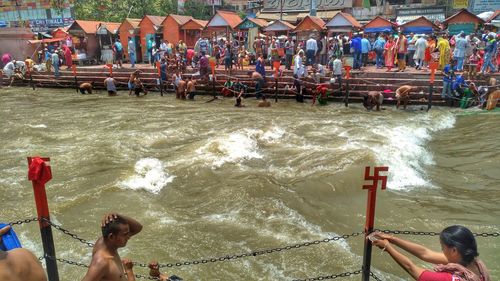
pixel 403 95
pixel 264 102
pixel 373 99
pixel 106 264
pixel 239 98
pixel 190 87
pixel 139 87
pixel 131 80
pixel 86 88
pixel 110 85
pixel 458 260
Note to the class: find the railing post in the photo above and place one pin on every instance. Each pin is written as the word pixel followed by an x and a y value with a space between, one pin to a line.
pixel 370 214
pixel 73 68
pixel 39 173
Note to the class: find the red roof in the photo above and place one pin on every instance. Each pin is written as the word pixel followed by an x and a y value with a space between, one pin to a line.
pixel 179 19
pixel 156 20
pixel 379 22
pixel 190 24
pixel 133 22
pixel 112 27
pixel 318 23
pixel 259 22
pixel 89 27
pixel 479 20
pixel 422 18
pixel 232 18
pixel 351 19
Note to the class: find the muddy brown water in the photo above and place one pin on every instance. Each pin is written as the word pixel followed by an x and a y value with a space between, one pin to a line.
pixel 209 180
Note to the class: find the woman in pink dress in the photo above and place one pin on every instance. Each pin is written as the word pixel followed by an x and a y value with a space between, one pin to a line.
pixel 67 56
pixel 457 261
pixel 389 53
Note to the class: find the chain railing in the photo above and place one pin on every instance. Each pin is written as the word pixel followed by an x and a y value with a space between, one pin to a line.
pixel 247 254
pixel 375 276
pixel 333 276
pixel 69 233
pixel 19 222
pixel 260 252
pixel 431 233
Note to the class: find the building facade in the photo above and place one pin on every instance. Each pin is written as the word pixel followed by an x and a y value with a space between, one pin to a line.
pixel 39 15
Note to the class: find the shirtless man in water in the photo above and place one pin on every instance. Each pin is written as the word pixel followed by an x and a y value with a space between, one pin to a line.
pixel 106 264
pixel 19 264
pixel 403 95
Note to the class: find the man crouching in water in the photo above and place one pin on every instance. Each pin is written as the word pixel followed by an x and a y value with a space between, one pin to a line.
pixel 373 98
pixel 106 264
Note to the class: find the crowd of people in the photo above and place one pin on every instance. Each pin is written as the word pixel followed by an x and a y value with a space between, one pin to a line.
pixel 458 260
pixel 460 58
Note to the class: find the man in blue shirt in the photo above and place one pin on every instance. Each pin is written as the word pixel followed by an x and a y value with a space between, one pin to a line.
pixel 365 48
pixel 447 80
pixel 356 51
pixel 489 51
pixel 118 51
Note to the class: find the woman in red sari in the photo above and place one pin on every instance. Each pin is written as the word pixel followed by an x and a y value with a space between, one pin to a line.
pixel 458 260
pixel 389 53
pixel 431 45
pixel 67 56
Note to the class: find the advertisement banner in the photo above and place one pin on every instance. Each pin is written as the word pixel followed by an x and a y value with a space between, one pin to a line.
pixel 485 5
pixel 460 4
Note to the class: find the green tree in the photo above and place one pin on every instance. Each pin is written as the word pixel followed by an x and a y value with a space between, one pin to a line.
pixel 197 10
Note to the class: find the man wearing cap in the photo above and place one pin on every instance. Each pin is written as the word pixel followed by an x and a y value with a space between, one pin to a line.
pixel 311 49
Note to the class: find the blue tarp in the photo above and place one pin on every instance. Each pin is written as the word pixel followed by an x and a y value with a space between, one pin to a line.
pixel 379 29
pixel 418 29
pixel 3 23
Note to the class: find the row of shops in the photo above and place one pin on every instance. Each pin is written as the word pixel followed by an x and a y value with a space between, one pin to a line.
pixel 92 40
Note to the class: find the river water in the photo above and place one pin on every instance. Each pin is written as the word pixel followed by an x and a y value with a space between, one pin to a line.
pixel 209 180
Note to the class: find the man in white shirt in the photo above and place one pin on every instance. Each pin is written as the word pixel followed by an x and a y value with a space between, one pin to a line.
pixel 337 70
pixel 55 64
pixel 311 49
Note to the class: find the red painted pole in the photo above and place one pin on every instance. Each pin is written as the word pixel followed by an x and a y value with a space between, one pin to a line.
pixel 39 173
pixel 370 214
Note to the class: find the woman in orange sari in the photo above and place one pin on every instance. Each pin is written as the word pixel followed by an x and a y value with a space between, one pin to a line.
pixel 431 45
pixel 389 52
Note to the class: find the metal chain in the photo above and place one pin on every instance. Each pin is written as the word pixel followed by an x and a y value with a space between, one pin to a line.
pixel 67 232
pixel 19 222
pixel 63 261
pixel 431 233
pixel 86 266
pixel 375 276
pixel 333 276
pixel 257 253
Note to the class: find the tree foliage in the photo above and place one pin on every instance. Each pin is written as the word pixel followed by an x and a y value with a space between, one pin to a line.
pixel 117 10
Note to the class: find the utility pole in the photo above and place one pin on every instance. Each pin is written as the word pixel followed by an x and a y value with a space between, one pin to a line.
pixel 313 8
pixel 213 7
pixel 281 9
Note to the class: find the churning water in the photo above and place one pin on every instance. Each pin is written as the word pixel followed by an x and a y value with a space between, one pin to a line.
pixel 208 180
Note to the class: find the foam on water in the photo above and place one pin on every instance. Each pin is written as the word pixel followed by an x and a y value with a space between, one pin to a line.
pixel 150 176
pixel 38 126
pixel 404 148
pixel 233 148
